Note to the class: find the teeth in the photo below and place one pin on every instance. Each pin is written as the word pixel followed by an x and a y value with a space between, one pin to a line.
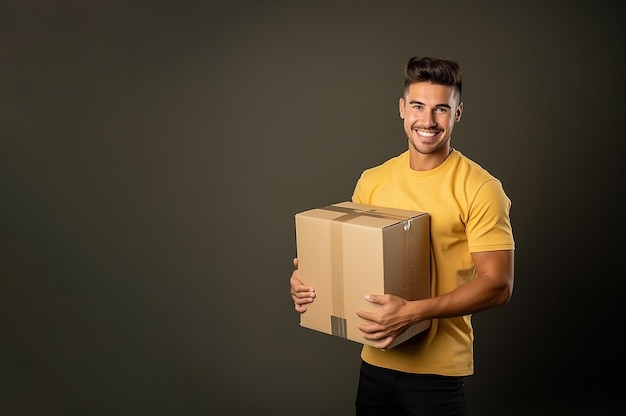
pixel 426 133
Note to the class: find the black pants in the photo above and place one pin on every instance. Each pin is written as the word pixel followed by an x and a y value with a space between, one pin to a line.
pixel 384 392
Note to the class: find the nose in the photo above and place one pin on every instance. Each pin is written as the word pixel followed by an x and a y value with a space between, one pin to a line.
pixel 429 119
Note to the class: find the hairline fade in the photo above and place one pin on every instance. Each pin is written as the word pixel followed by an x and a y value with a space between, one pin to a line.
pixel 435 70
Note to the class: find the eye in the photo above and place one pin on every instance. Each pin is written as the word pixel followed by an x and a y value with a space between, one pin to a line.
pixel 418 107
pixel 441 110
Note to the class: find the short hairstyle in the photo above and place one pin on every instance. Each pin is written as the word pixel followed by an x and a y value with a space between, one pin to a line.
pixel 437 71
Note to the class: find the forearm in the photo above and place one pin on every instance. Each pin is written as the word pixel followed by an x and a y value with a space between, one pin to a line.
pixel 474 296
pixel 492 287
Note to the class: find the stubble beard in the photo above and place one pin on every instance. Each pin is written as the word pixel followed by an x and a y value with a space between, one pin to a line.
pixel 429 151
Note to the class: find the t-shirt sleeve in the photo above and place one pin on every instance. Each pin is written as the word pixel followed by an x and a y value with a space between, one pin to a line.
pixel 489 224
pixel 359 196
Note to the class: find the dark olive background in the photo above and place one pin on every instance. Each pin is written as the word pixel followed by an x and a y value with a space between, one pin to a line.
pixel 153 155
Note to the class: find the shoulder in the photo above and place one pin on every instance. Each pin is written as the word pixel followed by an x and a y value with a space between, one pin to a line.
pixel 476 182
pixel 387 167
pixel 473 168
pixel 474 176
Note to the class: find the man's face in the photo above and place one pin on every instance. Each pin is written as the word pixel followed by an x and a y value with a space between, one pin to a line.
pixel 429 112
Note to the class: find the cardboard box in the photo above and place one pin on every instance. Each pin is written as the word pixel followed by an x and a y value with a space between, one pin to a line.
pixel 348 250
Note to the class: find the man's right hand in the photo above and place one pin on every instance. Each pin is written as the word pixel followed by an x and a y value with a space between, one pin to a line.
pixel 301 294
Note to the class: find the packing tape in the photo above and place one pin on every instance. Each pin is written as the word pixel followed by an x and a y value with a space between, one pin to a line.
pixel 336 252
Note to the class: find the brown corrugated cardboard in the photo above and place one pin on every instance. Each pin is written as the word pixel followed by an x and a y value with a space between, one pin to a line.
pixel 347 250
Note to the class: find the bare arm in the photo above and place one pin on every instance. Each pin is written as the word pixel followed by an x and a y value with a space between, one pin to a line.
pixel 492 287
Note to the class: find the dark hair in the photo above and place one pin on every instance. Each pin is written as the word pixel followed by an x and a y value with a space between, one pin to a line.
pixel 437 71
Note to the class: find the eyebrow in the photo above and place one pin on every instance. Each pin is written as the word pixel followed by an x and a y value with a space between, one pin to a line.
pixel 438 105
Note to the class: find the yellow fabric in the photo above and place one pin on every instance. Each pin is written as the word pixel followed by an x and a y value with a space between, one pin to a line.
pixel 469 212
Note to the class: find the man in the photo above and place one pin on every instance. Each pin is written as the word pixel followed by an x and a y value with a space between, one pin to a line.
pixel 472 251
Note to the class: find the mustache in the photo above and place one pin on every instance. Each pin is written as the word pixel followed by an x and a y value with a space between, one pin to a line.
pixel 434 129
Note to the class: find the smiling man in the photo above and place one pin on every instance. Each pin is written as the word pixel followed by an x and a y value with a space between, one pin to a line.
pixel 472 251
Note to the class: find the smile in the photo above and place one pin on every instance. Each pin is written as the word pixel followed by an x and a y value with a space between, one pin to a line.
pixel 426 133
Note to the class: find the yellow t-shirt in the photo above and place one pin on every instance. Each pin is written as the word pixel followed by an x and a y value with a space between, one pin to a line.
pixel 469 212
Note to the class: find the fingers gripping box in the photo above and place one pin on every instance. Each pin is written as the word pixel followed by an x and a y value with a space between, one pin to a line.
pixel 348 250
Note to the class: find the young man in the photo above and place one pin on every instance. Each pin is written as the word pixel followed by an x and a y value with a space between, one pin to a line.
pixel 471 255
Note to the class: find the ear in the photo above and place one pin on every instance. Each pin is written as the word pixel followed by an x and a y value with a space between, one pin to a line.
pixel 459 112
pixel 401 107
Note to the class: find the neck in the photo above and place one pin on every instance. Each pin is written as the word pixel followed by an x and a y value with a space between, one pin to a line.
pixel 428 161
